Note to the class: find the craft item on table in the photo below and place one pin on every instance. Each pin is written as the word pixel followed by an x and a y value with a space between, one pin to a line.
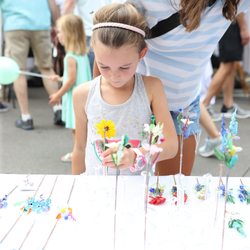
pixel 184 132
pixel 244 193
pixel 227 155
pixel 9 71
pixel 173 191
pixel 66 211
pixel 38 206
pixel 3 201
pixel 238 225
pixel 218 195
pixel 104 129
pixel 60 215
pixel 22 209
pixel 230 197
pixel 117 154
pixel 155 193
pixel 199 190
pixel 152 134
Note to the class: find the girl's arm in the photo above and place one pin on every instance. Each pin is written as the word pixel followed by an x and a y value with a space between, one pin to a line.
pixel 159 106
pixel 80 95
pixel 157 99
pixel 72 71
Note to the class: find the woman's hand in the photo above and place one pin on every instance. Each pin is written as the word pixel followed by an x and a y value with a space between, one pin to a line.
pixel 54 77
pixel 127 160
pixel 54 99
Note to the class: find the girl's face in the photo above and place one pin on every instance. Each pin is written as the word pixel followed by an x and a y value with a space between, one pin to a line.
pixel 117 66
pixel 60 35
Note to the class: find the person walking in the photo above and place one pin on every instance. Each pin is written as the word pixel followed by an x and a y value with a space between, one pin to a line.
pixel 27 24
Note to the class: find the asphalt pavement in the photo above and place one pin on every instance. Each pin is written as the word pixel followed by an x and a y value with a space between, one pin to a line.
pixel 39 151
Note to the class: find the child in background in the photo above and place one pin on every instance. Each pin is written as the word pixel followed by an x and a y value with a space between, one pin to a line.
pixel 76 68
pixel 119 94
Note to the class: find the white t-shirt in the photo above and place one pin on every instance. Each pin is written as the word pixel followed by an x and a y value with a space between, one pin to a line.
pixel 84 8
pixel 60 3
pixel 179 58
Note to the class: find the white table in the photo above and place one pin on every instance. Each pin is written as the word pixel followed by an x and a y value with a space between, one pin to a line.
pixel 95 231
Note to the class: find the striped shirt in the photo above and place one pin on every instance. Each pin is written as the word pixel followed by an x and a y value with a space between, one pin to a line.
pixel 179 58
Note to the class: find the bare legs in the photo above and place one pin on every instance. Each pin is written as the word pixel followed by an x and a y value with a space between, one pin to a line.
pixel 172 166
pixel 21 89
pixel 223 78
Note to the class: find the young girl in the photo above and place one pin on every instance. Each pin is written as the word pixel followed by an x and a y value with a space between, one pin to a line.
pixel 120 95
pixel 76 68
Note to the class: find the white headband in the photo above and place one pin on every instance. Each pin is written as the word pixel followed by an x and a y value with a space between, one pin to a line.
pixel 119 25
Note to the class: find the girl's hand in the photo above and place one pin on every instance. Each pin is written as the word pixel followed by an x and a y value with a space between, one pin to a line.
pixel 54 77
pixel 127 160
pixel 54 99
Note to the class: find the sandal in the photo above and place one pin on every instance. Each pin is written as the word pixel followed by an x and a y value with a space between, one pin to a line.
pixel 67 157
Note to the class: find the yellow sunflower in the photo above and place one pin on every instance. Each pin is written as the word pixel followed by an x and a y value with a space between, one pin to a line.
pixel 106 127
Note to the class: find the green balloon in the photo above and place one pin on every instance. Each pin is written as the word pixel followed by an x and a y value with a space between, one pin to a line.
pixel 9 70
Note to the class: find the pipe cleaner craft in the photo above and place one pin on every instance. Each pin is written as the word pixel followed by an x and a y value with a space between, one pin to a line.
pixel 65 212
pixel 228 156
pixel 155 193
pixel 244 193
pixel 38 206
pixel 238 225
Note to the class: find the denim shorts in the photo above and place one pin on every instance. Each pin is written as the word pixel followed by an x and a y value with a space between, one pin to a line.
pixel 193 111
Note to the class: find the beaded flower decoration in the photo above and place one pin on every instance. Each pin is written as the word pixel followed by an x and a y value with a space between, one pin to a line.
pixel 228 150
pixel 3 202
pixel 155 193
pixel 173 191
pixel 244 194
pixel 238 225
pixel 230 198
pixel 199 190
pixel 65 212
pixel 32 205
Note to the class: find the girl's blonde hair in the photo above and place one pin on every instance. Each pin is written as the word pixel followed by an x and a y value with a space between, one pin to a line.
pixel 116 37
pixel 74 35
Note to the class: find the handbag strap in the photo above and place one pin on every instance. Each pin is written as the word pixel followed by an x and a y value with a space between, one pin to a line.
pixel 169 24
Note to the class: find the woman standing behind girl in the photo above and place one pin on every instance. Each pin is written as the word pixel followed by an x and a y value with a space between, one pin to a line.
pixel 119 94
pixel 76 68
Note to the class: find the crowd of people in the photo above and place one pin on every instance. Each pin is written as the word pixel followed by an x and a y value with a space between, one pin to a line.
pixel 124 61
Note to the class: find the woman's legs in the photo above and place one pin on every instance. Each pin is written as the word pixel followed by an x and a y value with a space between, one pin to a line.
pixel 172 166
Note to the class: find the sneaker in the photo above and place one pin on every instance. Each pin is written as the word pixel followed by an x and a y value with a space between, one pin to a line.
pixel 3 108
pixel 58 118
pixel 215 117
pixel 240 113
pixel 28 125
pixel 208 149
